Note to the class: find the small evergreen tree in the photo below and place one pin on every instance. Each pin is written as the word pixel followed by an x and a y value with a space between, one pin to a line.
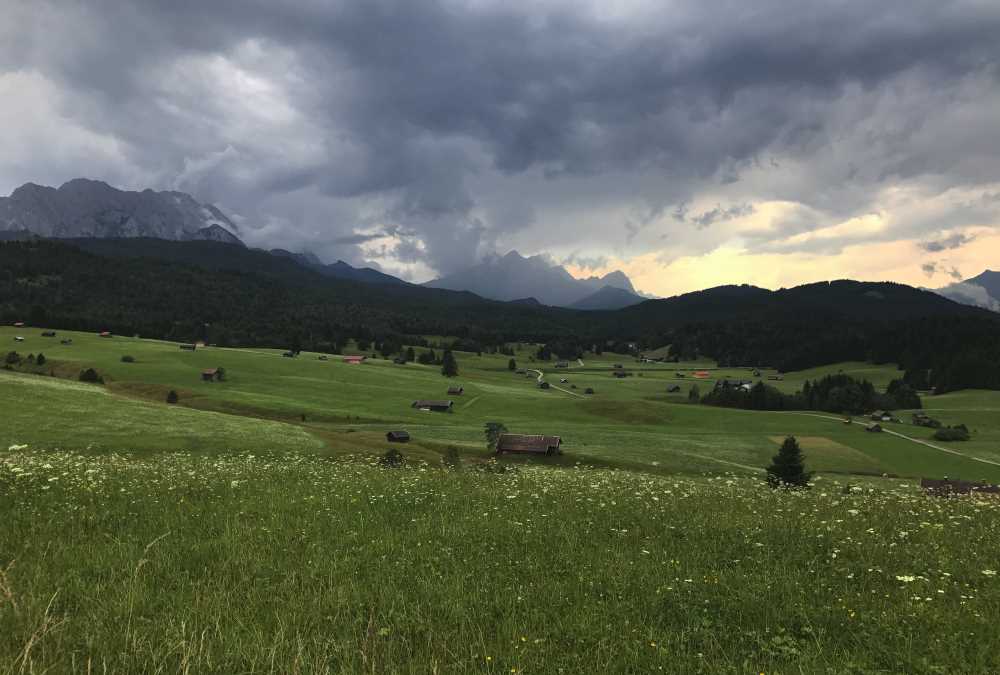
pixel 449 366
pixel 512 365
pixel 493 432
pixel 694 395
pixel 788 466
pixel 171 396
pixel 40 361
pixel 410 356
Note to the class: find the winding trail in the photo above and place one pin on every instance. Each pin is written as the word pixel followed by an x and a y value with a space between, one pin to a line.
pixel 904 436
pixel 565 391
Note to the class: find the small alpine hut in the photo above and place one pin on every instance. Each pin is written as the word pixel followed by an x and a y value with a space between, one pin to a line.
pixel 562 364
pixel 210 374
pixel 104 334
pixel 673 389
pixel 456 391
pixel 535 445
pixel 18 324
pixel 874 428
pixel 354 359
pixel 434 406
pixel 398 436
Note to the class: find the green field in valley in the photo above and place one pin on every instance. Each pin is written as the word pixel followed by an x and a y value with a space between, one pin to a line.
pixel 268 402
pixel 250 527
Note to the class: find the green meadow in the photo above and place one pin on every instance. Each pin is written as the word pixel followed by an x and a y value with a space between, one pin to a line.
pixel 250 528
pixel 304 404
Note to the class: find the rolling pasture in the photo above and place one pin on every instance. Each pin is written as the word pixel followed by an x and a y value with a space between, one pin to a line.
pixel 250 528
pixel 304 404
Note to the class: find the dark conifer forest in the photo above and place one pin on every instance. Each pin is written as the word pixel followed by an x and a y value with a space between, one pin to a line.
pixel 238 297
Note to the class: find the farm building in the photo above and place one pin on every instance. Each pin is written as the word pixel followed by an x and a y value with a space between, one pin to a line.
pixel 925 420
pixel 354 359
pixel 399 436
pixel 563 380
pixel 957 487
pixel 399 361
pixel 678 374
pixel 48 333
pixel 18 338
pixel 727 383
pixel 881 416
pixel 562 364
pixel 619 374
pixel 104 334
pixel 456 391
pixel 323 357
pixel 436 406
pixel 673 389
pixel 188 347
pixel 874 428
pixel 537 445
pixel 618 366
pixel 210 374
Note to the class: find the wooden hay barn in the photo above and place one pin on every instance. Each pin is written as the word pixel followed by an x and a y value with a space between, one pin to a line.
pixel 874 428
pixel 562 364
pixel 673 389
pixel 456 391
pixel 399 436
pixel 354 359
pixel 435 406
pixel 210 374
pixel 536 445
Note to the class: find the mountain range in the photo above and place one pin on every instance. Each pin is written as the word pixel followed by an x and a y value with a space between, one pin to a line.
pixel 90 208
pixel 980 291
pixel 513 277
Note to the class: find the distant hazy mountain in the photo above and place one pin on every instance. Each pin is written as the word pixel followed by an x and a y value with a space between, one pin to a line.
pixel 608 297
pixel 339 269
pixel 514 277
pixel 979 291
pixel 90 208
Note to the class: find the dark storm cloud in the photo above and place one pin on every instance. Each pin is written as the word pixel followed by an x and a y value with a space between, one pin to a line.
pixel 386 111
pixel 956 240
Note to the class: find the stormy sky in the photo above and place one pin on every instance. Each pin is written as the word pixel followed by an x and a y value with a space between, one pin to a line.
pixel 688 143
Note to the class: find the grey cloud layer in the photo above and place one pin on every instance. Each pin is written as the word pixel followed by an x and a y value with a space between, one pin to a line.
pixel 319 122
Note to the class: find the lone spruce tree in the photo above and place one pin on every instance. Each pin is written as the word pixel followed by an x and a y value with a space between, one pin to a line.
pixel 788 467
pixel 512 365
pixel 449 366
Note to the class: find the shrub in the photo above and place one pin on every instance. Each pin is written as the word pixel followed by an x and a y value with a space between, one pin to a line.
pixel 171 396
pixel 512 365
pixel 12 358
pixel 694 395
pixel 956 433
pixel 40 359
pixel 452 460
pixel 128 359
pixel 91 375
pixel 392 459
pixel 788 466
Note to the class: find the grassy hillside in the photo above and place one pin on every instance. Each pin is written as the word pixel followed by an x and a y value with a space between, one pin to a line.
pixel 336 408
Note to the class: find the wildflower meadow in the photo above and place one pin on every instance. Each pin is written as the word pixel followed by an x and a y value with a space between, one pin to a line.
pixel 183 562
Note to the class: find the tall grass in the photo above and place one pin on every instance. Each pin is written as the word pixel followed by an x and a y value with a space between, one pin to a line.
pixel 186 563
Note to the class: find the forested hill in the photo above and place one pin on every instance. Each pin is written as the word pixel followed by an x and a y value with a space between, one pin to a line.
pixel 170 289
